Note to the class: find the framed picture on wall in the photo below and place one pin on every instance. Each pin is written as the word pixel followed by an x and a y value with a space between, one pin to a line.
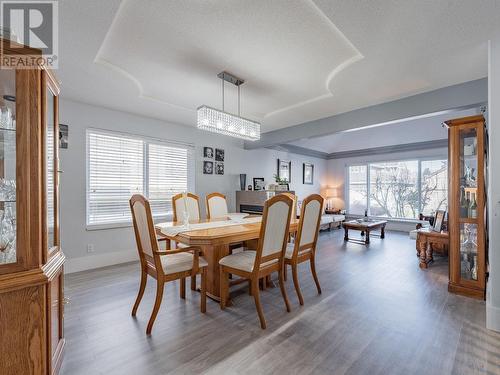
pixel 219 154
pixel 285 170
pixel 208 152
pixel 258 183
pixel 308 173
pixel 208 167
pixel 219 167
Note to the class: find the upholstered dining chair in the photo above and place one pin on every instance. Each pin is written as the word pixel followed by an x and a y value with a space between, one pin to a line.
pixel 194 212
pixel 304 247
pixel 192 203
pixel 164 266
pixel 268 258
pixel 216 205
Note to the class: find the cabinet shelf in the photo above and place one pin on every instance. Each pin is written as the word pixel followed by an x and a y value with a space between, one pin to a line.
pixel 468 220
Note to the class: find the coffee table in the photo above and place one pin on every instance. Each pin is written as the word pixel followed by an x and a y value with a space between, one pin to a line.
pixel 365 227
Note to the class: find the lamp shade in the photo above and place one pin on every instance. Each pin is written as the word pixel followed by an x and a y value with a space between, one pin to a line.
pixel 332 192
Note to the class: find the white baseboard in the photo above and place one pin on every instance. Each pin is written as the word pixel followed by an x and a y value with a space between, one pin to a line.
pixel 492 317
pixel 99 260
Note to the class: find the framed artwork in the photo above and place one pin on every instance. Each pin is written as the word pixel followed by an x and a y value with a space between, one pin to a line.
pixel 219 154
pixel 285 170
pixel 208 167
pixel 219 167
pixel 258 183
pixel 308 173
pixel 208 152
pixel 438 220
pixel 63 136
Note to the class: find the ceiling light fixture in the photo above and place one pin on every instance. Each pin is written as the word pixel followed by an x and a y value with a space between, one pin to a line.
pixel 216 121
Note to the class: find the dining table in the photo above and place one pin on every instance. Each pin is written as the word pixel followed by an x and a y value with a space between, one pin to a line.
pixel 214 237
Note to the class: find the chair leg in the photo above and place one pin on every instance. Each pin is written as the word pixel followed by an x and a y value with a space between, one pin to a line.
pixel 296 283
pixel 285 275
pixel 283 290
pixel 156 308
pixel 204 289
pixel 223 288
pixel 315 276
pixel 142 287
pixel 183 288
pixel 193 282
pixel 250 287
pixel 256 296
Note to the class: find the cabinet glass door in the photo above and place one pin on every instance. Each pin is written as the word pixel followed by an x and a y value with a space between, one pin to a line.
pixel 50 169
pixel 8 242
pixel 468 217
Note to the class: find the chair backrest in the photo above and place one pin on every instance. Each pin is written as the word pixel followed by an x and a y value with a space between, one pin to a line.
pixel 192 203
pixel 310 218
pixel 145 234
pixel 274 230
pixel 294 207
pixel 216 205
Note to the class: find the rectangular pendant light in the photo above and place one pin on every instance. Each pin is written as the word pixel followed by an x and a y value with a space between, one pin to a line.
pixel 216 121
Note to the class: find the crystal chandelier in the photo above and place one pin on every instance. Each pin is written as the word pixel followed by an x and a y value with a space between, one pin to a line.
pixel 216 121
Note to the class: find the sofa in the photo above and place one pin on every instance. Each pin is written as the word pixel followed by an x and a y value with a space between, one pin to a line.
pixel 331 220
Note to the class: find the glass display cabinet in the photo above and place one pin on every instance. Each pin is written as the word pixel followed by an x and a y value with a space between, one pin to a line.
pixel 31 260
pixel 466 137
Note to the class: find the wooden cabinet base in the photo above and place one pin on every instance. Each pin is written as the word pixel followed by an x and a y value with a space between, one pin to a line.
pixel 467 292
pixel 31 320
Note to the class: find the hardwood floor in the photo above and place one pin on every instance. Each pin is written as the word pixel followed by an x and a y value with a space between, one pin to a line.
pixel 379 313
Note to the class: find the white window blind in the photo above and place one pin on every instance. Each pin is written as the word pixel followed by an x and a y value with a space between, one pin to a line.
pixel 115 173
pixel 122 165
pixel 168 175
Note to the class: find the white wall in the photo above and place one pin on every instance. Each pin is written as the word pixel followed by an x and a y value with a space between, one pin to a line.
pixel 493 287
pixel 118 245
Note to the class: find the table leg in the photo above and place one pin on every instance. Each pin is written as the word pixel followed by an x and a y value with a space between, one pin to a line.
pixel 428 253
pixel 367 238
pixel 346 234
pixel 423 256
pixel 382 232
pixel 213 254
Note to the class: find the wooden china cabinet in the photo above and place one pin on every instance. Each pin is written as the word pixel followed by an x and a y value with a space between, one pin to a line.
pixel 467 213
pixel 31 260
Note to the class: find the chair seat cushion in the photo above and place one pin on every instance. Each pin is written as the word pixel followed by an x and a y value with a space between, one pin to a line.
pixel 243 261
pixel 289 251
pixel 179 262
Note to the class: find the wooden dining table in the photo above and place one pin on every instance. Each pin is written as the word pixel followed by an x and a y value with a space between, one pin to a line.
pixel 214 243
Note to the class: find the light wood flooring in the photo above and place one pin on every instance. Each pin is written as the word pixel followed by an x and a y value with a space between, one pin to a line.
pixel 378 314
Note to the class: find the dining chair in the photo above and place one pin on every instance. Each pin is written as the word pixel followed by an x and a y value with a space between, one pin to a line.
pixel 192 204
pixel 164 266
pixel 294 211
pixel 193 208
pixel 304 246
pixel 268 258
pixel 216 205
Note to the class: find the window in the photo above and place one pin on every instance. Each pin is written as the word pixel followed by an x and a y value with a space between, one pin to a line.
pixel 121 165
pixel 398 189
pixel 358 189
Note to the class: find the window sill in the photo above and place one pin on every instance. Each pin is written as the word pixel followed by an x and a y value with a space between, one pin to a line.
pixel 128 224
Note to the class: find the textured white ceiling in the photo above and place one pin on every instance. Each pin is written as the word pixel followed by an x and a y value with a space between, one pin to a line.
pixel 287 50
pixel 411 131
pixel 302 60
